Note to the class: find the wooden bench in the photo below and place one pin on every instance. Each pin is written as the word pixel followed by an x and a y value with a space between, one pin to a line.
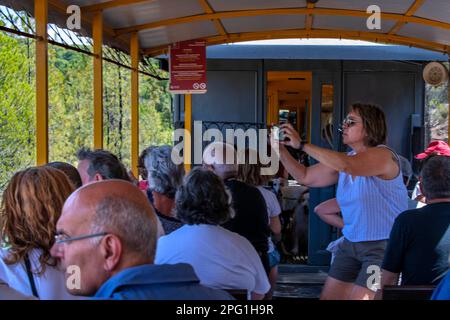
pixel 422 292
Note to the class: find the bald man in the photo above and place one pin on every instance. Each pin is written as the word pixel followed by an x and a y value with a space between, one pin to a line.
pixel 106 236
pixel 249 205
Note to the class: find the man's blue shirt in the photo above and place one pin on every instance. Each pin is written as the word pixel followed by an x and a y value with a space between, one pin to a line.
pixel 442 292
pixel 158 282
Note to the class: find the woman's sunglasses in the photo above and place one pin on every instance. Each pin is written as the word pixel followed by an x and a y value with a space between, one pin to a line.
pixel 347 122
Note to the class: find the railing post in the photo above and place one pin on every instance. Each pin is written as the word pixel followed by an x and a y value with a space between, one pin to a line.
pixel 188 131
pixel 41 16
pixel 134 50
pixel 97 35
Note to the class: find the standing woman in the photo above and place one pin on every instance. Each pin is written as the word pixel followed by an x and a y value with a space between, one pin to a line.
pixel 30 208
pixel 370 193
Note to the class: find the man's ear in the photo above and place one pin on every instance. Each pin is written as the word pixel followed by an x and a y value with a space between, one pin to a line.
pixel 111 247
pixel 98 177
pixel 208 166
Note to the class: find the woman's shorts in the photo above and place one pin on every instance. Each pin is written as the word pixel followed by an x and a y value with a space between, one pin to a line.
pixel 359 262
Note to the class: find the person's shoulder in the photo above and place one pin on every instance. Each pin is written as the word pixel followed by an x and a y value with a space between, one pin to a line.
pixel 409 215
pixel 240 241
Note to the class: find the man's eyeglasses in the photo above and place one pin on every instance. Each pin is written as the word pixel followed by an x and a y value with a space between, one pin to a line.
pixel 64 238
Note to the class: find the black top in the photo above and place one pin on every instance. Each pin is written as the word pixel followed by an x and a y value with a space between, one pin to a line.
pixel 251 219
pixel 169 224
pixel 419 245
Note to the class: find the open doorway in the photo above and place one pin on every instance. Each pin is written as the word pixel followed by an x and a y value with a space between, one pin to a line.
pixel 289 101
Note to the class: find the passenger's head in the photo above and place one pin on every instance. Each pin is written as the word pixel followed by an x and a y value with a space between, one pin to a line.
pixel 203 199
pixel 70 171
pixel 120 230
pixel 99 165
pixel 221 158
pixel 435 178
pixel 142 170
pixel 164 176
pixel 250 171
pixel 31 205
pixel 365 122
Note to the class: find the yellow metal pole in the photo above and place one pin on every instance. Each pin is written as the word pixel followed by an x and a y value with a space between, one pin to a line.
pixel 188 128
pixel 97 35
pixel 40 13
pixel 134 50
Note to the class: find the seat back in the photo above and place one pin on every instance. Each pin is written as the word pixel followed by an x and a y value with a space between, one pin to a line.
pixel 422 292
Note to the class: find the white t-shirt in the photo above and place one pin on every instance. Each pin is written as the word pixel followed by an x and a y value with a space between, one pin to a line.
pixel 50 285
pixel 273 209
pixel 416 193
pixel 221 259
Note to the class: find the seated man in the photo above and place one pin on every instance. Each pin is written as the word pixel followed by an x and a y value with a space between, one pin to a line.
pixel 99 165
pixel 419 243
pixel 108 232
pixel 249 205
pixel 221 258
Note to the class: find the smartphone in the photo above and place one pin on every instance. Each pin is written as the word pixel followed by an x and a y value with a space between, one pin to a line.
pixel 277 133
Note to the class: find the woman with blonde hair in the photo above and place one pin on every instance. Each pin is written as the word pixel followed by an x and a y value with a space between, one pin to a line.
pixel 30 208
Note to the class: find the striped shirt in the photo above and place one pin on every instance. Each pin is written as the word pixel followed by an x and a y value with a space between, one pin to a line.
pixel 369 205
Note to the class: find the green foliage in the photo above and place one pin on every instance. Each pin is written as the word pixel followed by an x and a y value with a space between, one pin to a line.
pixel 436 113
pixel 71 107
pixel 17 100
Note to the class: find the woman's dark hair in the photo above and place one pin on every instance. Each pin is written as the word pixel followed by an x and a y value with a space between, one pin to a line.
pixel 203 199
pixel 70 171
pixel 374 123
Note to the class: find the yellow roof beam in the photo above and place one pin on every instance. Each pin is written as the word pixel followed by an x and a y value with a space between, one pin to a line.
pixel 309 18
pixel 110 4
pixel 414 7
pixel 61 7
pixel 283 11
pixel 217 23
pixel 316 33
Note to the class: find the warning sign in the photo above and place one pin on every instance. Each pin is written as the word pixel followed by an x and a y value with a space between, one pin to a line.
pixel 188 67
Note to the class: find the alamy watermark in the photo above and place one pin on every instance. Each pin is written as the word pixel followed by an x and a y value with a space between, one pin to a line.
pixel 374 280
pixel 373 22
pixel 73 280
pixel 257 140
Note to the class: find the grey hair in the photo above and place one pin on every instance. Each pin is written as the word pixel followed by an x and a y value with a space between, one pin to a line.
pixel 164 176
pixel 203 199
pixel 131 222
pixel 436 177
